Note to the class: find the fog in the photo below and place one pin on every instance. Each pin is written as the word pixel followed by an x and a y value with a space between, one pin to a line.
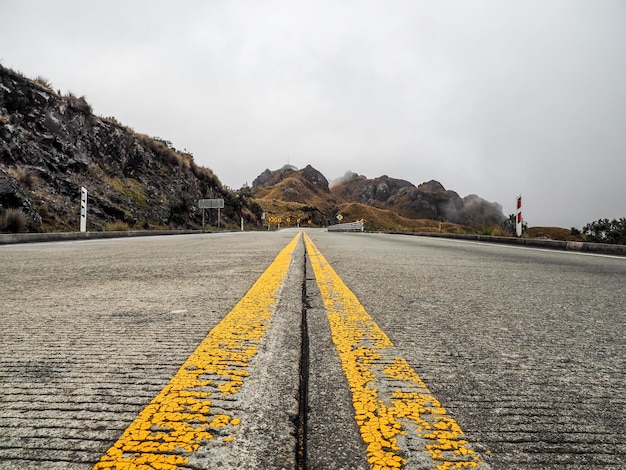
pixel 487 97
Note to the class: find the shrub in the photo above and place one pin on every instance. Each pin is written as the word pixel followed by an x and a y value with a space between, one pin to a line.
pixel 179 209
pixel 162 150
pixel 44 82
pixel 27 177
pixel 510 223
pixel 605 231
pixel 13 221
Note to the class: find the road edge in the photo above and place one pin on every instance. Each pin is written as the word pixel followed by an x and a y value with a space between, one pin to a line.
pixel 15 238
pixel 585 247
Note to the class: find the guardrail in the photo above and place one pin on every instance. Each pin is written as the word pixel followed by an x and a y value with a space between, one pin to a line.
pixel 349 227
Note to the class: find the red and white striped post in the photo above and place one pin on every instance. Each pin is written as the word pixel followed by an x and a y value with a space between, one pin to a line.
pixel 518 216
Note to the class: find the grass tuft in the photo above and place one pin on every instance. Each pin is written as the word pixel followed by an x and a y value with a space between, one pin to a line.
pixel 26 177
pixel 495 232
pixel 44 82
pixel 13 221
pixel 117 226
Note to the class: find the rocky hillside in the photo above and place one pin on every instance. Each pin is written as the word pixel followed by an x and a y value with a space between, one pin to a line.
pixel 429 200
pixel 295 193
pixel 51 145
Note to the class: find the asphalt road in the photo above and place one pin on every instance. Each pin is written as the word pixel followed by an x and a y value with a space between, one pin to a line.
pixel 524 348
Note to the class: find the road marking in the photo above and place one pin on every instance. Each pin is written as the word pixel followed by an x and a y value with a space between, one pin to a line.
pixel 396 414
pixel 183 416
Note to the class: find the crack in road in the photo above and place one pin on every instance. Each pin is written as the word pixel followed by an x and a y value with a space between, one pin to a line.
pixel 301 432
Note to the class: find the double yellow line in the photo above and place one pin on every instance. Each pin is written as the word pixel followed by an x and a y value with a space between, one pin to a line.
pixel 390 400
pixel 181 417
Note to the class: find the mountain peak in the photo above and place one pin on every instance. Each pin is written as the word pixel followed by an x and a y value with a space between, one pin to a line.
pixel 307 174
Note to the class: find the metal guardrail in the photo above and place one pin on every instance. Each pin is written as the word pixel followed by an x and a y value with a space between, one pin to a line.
pixel 349 227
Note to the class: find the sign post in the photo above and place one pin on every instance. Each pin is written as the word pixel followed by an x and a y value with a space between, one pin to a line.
pixel 83 209
pixel 518 216
pixel 211 204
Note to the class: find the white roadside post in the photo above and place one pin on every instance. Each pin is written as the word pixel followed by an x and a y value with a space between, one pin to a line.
pixel 83 209
pixel 518 216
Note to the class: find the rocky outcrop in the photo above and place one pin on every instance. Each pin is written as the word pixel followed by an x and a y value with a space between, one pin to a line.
pixel 373 192
pixel 139 181
pixel 429 200
pixel 482 213
pixel 308 176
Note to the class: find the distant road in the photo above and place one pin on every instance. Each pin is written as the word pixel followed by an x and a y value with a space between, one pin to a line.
pixel 523 348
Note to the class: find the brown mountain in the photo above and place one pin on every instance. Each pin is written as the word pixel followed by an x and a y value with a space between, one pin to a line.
pixel 289 192
pixel 296 194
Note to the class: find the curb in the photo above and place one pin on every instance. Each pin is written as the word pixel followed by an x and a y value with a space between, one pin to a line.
pixel 13 238
pixel 586 247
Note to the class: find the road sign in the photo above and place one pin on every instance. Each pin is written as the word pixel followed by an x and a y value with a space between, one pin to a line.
pixel 211 203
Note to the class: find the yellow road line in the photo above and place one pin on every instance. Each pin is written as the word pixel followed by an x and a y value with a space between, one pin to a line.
pixel 392 405
pixel 181 417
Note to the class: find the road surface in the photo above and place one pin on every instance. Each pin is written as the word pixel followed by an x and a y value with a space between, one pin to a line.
pixel 186 351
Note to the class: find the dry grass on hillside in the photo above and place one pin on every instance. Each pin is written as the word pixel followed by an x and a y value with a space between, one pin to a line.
pixel 292 190
pixel 375 219
pixel 386 220
pixel 290 210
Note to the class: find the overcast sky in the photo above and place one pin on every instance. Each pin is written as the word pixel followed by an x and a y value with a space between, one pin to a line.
pixel 496 98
